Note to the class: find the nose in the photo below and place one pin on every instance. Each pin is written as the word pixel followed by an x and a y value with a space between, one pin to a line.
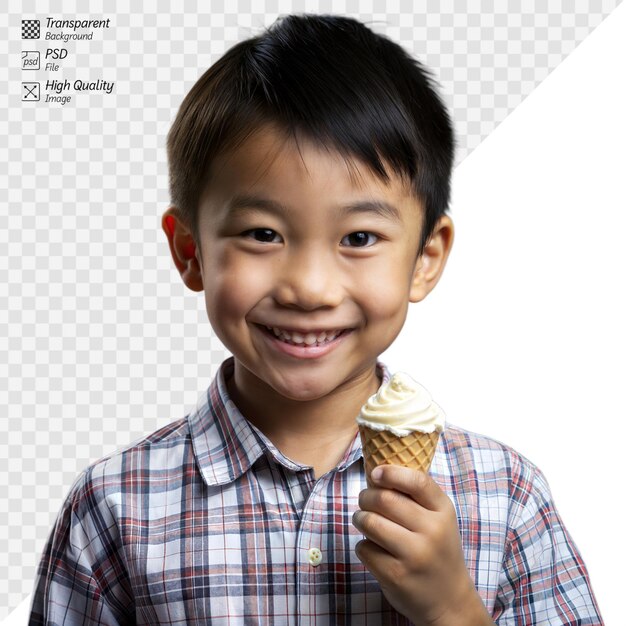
pixel 309 279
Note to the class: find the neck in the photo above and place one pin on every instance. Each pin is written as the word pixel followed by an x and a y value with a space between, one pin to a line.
pixel 301 428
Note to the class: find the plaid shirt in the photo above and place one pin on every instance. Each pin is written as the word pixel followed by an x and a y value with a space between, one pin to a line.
pixel 206 522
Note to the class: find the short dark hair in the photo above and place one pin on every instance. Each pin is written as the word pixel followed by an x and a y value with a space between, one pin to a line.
pixel 332 80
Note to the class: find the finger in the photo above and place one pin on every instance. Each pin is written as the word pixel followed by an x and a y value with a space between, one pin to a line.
pixel 387 534
pixel 415 483
pixel 377 560
pixel 395 506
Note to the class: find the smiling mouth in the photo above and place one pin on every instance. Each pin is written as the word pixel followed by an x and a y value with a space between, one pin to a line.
pixel 308 339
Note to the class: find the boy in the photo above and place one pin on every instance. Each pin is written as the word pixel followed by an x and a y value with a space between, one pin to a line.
pixel 309 171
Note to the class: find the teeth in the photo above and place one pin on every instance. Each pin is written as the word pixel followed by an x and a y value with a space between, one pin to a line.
pixel 308 339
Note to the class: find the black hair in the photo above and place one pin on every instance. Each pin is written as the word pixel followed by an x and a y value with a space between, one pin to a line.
pixel 332 80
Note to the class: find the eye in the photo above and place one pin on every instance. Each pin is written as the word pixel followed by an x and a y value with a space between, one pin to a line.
pixel 264 235
pixel 359 239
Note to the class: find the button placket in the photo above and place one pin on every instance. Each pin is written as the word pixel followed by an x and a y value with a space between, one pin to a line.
pixel 313 597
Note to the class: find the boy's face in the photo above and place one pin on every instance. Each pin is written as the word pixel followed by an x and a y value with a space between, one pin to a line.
pixel 300 260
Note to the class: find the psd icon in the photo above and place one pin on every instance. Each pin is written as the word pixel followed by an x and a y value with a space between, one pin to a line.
pixel 30 29
pixel 30 59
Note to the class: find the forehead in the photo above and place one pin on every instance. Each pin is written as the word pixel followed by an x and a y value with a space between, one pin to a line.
pixel 276 164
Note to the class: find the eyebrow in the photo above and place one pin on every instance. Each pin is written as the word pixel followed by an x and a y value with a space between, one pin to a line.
pixel 242 202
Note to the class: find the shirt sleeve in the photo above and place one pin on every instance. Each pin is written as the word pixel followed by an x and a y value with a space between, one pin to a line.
pixel 544 580
pixel 81 578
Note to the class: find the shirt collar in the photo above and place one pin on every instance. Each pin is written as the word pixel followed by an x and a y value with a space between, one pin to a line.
pixel 226 444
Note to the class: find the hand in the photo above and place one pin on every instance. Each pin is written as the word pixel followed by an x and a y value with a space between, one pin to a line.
pixel 413 548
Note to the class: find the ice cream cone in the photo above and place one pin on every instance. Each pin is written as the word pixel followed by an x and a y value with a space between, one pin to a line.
pixel 400 425
pixel 381 447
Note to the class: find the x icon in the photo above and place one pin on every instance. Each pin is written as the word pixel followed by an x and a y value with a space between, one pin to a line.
pixel 31 91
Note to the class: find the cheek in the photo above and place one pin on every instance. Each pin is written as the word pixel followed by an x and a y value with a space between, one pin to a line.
pixel 232 287
pixel 225 300
pixel 389 312
pixel 387 285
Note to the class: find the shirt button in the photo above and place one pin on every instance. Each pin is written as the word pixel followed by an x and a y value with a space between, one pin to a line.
pixel 315 556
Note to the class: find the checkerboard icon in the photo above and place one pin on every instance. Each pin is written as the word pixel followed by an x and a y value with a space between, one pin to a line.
pixel 30 29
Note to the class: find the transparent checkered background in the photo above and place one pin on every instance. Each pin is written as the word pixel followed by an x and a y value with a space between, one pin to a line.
pixel 100 342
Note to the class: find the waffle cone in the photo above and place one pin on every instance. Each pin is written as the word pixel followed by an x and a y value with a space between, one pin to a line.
pixel 415 450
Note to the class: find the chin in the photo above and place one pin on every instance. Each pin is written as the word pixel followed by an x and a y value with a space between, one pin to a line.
pixel 302 393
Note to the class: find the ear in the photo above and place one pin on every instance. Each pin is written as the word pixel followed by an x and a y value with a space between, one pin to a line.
pixel 183 249
pixel 429 266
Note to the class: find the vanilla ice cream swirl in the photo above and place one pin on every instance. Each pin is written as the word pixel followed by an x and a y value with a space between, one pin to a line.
pixel 402 406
